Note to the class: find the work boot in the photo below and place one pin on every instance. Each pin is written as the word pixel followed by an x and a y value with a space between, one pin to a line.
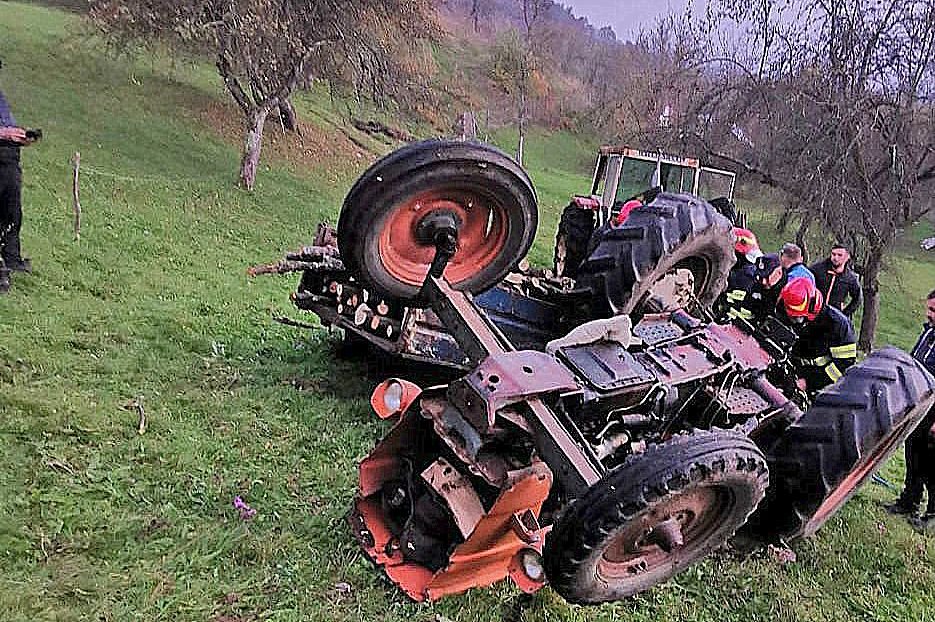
pixel 924 524
pixel 901 508
pixel 4 280
pixel 22 264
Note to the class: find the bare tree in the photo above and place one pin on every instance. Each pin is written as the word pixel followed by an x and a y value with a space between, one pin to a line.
pixel 831 101
pixel 264 50
pixel 480 9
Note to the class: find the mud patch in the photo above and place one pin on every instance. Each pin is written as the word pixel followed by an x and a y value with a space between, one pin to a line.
pixel 316 149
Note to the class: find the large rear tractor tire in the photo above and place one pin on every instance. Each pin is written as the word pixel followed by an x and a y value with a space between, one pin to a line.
pixel 850 430
pixel 571 241
pixel 654 515
pixel 675 231
pixel 382 229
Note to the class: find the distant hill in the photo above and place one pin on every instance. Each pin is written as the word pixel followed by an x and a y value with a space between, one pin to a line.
pixel 581 78
pixel 581 75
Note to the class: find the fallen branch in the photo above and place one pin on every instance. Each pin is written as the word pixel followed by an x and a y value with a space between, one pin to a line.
pixel 375 127
pixel 282 267
pixel 290 322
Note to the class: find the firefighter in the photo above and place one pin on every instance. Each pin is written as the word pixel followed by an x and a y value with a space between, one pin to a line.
pixel 763 296
pixel 625 210
pixel 735 303
pixel 826 345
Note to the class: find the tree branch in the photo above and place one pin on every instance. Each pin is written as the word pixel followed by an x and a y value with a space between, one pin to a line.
pixel 233 85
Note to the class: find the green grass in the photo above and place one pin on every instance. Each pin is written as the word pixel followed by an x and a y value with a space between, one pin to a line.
pixel 99 522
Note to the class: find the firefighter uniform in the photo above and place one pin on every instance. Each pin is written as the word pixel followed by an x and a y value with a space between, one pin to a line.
pixel 749 295
pixel 740 285
pixel 742 278
pixel 826 347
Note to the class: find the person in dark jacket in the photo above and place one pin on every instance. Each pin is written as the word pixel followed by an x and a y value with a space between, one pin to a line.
pixel 12 138
pixel 827 345
pixel 920 452
pixel 837 282
pixel 763 296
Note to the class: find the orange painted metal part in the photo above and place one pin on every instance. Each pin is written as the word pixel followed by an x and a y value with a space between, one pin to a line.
pixel 489 554
pixel 482 234
pixel 865 467
pixel 410 391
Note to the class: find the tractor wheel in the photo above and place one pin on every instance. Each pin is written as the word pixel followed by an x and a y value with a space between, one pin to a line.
pixel 381 231
pixel 850 430
pixel 571 241
pixel 654 515
pixel 675 231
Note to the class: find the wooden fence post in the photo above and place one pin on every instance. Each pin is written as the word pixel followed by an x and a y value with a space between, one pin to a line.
pixel 77 203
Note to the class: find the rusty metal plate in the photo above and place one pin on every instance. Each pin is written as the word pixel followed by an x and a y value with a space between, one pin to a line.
pixel 741 347
pixel 607 366
pixel 456 490
pixel 511 377
pixel 743 401
pixel 657 329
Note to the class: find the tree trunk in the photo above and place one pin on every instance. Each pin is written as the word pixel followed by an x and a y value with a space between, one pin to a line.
pixel 801 232
pixel 287 117
pixel 871 288
pixel 522 123
pixel 253 141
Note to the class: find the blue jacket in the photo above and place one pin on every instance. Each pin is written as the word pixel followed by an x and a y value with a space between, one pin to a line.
pixel 9 151
pixel 799 270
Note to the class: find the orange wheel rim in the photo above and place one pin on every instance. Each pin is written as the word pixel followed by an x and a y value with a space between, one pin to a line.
pixel 482 235
pixel 698 513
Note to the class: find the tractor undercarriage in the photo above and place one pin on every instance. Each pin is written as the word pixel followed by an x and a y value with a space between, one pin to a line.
pixel 601 437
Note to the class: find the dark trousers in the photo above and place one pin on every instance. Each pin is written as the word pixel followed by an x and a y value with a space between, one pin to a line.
pixel 11 211
pixel 920 465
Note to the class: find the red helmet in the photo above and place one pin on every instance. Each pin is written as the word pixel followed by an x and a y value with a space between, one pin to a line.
pixel 801 298
pixel 746 244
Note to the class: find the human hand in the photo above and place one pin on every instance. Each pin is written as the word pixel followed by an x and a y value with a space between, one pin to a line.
pixel 801 384
pixel 774 277
pixel 14 134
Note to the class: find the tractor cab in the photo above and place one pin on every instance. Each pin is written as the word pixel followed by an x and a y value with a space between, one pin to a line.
pixel 623 173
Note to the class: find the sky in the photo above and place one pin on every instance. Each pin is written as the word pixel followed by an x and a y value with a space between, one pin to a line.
pixel 626 17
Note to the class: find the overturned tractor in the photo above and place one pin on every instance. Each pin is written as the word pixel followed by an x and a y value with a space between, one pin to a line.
pixel 603 434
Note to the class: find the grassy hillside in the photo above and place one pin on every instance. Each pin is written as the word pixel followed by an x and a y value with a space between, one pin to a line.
pixel 101 522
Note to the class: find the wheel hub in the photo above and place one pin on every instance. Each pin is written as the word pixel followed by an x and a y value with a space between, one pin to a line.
pixel 652 541
pixel 674 290
pixel 407 243
pixel 667 535
pixel 441 217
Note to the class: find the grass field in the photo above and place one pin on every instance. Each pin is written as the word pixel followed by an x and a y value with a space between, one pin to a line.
pixel 100 522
